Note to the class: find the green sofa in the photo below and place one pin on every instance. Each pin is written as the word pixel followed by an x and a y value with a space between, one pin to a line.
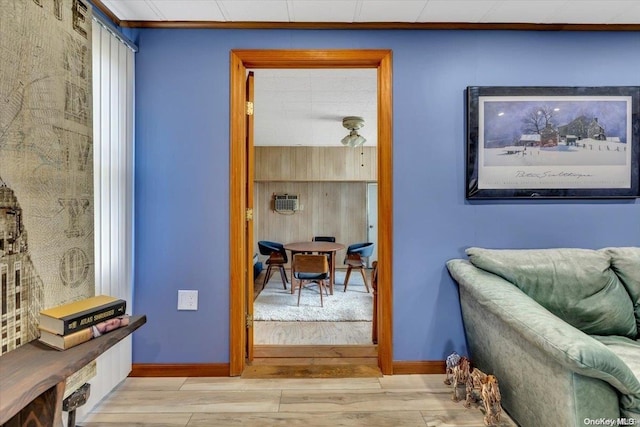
pixel 559 329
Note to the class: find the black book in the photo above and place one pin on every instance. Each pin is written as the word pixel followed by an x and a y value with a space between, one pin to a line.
pixel 82 314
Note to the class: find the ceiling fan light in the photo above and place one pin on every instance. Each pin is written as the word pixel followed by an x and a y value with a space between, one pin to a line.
pixel 349 139
pixel 359 141
pixel 353 139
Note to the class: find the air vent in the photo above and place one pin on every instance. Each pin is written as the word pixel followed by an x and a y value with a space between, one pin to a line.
pixel 285 202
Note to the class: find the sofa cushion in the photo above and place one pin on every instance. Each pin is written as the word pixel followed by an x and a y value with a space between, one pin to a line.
pixel 577 285
pixel 626 263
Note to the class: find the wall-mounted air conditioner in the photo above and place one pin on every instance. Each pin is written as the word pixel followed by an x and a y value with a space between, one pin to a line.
pixel 285 203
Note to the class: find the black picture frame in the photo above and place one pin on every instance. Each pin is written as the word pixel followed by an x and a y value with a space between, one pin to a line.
pixel 553 142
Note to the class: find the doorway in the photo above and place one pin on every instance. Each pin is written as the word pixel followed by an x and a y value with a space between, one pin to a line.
pixel 241 245
pixel 298 127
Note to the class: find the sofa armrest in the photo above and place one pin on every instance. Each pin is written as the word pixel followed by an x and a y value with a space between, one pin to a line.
pixel 570 347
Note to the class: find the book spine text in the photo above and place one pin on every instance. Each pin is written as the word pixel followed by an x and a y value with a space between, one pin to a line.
pixel 85 320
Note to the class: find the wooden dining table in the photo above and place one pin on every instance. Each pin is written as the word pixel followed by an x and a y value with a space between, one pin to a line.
pixel 329 248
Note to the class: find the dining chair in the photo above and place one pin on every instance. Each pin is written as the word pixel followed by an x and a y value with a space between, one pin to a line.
pixel 308 269
pixel 324 239
pixel 331 239
pixel 354 260
pixel 277 258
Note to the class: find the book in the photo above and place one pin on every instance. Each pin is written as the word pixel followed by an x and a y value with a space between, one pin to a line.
pixel 63 342
pixel 78 315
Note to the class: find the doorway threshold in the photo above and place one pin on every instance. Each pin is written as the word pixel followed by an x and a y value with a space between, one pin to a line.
pixel 311 371
pixel 313 361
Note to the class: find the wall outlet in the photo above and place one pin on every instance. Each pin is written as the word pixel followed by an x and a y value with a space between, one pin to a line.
pixel 187 300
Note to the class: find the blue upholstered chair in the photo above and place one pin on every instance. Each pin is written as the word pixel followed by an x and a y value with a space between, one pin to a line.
pixel 354 260
pixel 277 257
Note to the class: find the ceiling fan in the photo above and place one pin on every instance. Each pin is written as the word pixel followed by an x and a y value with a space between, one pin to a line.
pixel 353 123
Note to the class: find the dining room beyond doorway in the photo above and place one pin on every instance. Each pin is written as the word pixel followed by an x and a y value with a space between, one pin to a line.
pixel 299 159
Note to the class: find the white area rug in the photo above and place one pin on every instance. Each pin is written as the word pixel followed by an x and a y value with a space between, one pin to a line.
pixel 277 304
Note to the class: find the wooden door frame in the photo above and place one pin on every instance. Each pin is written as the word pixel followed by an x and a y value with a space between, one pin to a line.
pixel 240 61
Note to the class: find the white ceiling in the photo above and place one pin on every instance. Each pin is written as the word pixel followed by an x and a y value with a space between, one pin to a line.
pixel 410 11
pixel 305 107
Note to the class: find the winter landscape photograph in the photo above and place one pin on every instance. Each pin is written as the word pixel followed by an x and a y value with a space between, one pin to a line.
pixel 555 132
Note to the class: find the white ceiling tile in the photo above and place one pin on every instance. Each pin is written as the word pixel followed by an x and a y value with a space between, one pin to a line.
pixel 283 97
pixel 284 83
pixel 627 13
pixel 256 11
pixel 386 11
pixel 134 10
pixel 347 84
pixel 324 10
pixel 456 10
pixel 594 11
pixel 536 11
pixel 189 10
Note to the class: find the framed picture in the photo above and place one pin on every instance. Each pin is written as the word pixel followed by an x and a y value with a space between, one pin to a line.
pixel 553 142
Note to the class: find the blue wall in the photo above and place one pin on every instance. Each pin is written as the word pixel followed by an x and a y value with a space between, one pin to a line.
pixel 182 172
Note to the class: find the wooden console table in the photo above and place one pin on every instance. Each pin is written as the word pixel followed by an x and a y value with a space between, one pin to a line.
pixel 32 377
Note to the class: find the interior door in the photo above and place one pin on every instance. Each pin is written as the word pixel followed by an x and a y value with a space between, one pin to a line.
pixel 249 222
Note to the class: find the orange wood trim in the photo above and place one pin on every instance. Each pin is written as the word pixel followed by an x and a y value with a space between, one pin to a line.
pixel 506 26
pixel 180 370
pixel 104 9
pixel 419 367
pixel 240 61
pixel 385 214
pixel 222 369
pixel 249 227
pixel 297 58
pixel 237 201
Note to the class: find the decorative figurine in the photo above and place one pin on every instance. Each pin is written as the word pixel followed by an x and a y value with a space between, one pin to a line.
pixel 452 360
pixel 479 387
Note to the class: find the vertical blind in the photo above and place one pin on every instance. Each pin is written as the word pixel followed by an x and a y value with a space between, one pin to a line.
pixel 113 84
pixel 113 152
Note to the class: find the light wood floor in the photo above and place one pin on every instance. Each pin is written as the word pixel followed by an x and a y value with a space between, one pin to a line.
pixel 399 400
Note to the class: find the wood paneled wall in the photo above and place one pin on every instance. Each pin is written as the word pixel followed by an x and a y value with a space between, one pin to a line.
pixel 331 183
pixel 316 164
pixel 328 209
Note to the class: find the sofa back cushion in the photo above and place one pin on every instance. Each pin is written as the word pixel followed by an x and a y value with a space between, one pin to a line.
pixel 577 285
pixel 626 263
